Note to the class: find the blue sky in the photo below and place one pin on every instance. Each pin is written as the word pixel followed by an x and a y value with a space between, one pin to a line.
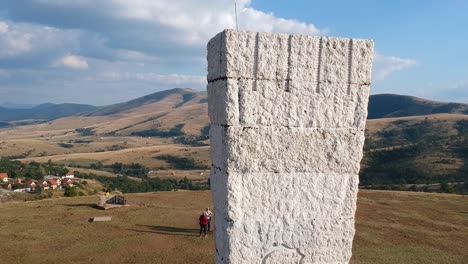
pixel 103 52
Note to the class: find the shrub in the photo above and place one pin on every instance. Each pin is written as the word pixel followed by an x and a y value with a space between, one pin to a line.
pixel 70 192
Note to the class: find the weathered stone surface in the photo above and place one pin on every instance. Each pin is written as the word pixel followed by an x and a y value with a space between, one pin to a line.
pixel 223 102
pixel 304 61
pixel 272 63
pixel 285 149
pixel 288 115
pixel 295 59
pixel 235 102
pixel 335 106
pixel 308 212
pixel 362 56
pixel 232 54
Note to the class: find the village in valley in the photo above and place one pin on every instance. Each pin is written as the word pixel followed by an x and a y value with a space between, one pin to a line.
pixel 49 182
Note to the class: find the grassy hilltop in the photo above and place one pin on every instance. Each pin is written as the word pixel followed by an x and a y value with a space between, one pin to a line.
pixel 392 227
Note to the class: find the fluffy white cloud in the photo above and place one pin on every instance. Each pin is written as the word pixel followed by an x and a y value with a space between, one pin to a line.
pixel 3 27
pixel 144 44
pixel 181 23
pixel 255 20
pixel 72 62
pixel 28 44
pixel 13 41
pixel 386 65
pixel 150 45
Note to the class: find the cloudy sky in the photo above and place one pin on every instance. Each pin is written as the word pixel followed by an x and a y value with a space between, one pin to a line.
pixel 108 51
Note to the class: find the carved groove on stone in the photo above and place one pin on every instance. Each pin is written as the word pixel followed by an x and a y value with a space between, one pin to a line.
pixel 319 64
pixel 350 64
pixel 256 58
pixel 288 69
pixel 283 247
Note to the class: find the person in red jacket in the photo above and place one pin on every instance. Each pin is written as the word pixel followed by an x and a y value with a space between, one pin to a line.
pixel 203 220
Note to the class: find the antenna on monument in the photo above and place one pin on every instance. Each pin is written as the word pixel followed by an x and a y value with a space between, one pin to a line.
pixel 235 10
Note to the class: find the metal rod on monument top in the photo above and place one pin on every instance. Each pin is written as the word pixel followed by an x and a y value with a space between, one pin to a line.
pixel 235 10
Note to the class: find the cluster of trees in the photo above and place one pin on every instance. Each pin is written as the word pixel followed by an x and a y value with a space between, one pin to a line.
pixel 462 127
pixel 133 169
pixel 173 132
pixel 71 191
pixel 179 136
pixel 127 185
pixel 195 140
pixel 181 163
pixel 85 131
pixel 31 170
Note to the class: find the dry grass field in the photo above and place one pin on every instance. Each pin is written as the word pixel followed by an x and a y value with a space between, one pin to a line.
pixel 392 227
pixel 142 155
pixel 110 140
pixel 373 126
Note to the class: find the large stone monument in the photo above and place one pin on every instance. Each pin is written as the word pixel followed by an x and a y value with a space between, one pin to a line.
pixel 287 116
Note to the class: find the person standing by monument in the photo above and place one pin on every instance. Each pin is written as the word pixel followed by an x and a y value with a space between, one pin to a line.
pixel 203 221
pixel 208 214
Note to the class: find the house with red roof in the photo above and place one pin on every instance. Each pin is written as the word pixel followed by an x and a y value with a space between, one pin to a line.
pixel 44 184
pixel 3 177
pixel 54 184
pixel 30 184
pixel 67 182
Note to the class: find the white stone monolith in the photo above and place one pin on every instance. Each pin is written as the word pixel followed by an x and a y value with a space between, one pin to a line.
pixel 287 116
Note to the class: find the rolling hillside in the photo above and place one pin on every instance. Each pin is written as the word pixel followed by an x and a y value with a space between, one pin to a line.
pixel 393 105
pixel 179 97
pixel 416 149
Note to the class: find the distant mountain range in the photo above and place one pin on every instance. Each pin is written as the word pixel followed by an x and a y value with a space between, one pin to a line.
pixel 45 112
pixel 408 139
pixel 380 106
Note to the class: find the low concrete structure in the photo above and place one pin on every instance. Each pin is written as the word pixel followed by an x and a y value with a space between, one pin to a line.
pixel 287 119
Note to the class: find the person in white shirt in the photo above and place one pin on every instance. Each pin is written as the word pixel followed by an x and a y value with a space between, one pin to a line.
pixel 208 214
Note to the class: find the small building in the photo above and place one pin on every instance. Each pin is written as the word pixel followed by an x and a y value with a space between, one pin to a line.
pixel 54 184
pixel 31 185
pixel 44 184
pixel 67 182
pixel 69 175
pixel 56 178
pixel 3 177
